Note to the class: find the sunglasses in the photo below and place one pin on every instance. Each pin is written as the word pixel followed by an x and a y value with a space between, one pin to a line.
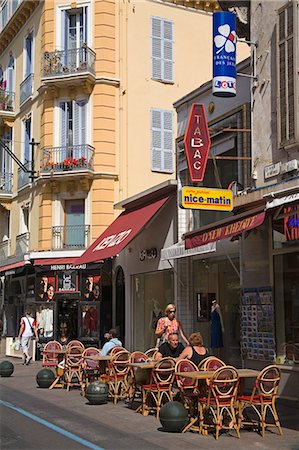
pixel 172 311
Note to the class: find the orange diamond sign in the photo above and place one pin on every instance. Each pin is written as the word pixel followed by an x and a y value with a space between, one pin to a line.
pixel 197 142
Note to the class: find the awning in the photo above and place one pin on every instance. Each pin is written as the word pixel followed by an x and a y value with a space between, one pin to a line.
pixel 178 251
pixel 283 200
pixel 56 261
pixel 225 228
pixel 12 266
pixel 120 232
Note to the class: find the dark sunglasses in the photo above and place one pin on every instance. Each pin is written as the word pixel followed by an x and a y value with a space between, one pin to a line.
pixel 172 311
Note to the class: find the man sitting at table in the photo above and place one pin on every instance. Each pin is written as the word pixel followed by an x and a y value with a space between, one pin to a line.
pixel 112 342
pixel 172 348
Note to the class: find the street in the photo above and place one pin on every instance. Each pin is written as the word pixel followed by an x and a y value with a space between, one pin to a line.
pixel 35 418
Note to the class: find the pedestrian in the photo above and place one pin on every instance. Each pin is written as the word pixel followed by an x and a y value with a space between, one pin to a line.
pixel 169 324
pixel 172 348
pixel 27 331
pixel 113 341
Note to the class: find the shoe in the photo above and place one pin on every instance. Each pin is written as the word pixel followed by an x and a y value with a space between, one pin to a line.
pixel 28 360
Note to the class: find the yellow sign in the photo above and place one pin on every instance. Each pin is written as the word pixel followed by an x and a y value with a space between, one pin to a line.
pixel 207 198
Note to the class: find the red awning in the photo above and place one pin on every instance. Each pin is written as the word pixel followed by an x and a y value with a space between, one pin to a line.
pixel 12 266
pixel 120 233
pixel 224 229
pixel 50 261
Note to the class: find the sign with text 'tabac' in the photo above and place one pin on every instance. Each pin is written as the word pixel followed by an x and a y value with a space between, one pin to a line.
pixel 197 142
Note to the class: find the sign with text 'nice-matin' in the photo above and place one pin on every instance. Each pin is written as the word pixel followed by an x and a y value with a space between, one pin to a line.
pixel 207 198
pixel 197 142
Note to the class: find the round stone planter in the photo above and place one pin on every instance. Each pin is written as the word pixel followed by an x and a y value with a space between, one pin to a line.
pixel 173 417
pixel 6 368
pixel 45 378
pixel 97 393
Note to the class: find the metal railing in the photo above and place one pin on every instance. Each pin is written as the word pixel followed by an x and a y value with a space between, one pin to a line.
pixel 22 243
pixel 4 250
pixel 70 158
pixel 66 62
pixel 6 182
pixel 70 236
pixel 26 88
pixel 23 177
pixel 7 100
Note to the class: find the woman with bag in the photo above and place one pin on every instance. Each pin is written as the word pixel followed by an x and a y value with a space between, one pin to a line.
pixel 27 331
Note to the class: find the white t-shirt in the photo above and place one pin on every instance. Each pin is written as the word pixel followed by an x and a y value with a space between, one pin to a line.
pixel 25 321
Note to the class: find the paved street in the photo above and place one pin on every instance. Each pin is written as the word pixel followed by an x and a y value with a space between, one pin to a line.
pixel 34 418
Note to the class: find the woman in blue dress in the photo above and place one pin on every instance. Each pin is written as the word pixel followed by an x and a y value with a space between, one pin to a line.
pixel 216 326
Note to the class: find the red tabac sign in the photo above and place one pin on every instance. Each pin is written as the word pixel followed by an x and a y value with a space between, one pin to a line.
pixel 197 142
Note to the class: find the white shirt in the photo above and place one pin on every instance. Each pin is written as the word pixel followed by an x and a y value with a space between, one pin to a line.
pixel 27 321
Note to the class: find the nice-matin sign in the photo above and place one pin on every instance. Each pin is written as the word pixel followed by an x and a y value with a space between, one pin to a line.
pixel 206 198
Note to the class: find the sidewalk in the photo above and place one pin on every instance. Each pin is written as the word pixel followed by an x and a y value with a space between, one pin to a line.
pixel 118 427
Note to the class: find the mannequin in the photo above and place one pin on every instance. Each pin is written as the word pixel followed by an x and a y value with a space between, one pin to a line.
pixel 46 322
pixel 217 328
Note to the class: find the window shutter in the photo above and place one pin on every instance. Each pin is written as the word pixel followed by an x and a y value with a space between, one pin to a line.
pixel 10 75
pixel 156 25
pixel 168 142
pixel 63 124
pixel 168 51
pixel 28 54
pixel 76 128
pixel 81 106
pixel 27 138
pixel 156 140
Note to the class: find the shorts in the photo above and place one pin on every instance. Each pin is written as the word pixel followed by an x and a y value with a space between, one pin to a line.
pixel 25 343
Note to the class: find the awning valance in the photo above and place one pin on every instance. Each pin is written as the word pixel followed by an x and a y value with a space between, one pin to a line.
pixel 224 229
pixel 120 232
pixel 12 266
pixel 178 251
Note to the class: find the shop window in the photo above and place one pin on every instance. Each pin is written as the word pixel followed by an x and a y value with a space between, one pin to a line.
pixel 286 227
pixel 89 320
pixel 45 320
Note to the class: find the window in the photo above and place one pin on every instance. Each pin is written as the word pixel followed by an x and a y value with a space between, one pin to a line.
pixel 162 154
pixel 162 49
pixel 74 35
pixel 28 54
pixel 27 139
pixel 287 67
pixel 73 123
pixel 4 14
pixel 10 75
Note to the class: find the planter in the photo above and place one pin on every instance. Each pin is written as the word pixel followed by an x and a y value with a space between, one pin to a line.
pixel 6 368
pixel 173 417
pixel 45 378
pixel 97 393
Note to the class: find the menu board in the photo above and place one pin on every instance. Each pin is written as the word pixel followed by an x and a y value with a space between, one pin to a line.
pixel 257 325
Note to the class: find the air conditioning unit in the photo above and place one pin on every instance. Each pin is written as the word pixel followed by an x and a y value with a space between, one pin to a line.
pixel 289 166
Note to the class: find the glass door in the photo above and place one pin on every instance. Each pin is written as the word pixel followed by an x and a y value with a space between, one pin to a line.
pixel 74 224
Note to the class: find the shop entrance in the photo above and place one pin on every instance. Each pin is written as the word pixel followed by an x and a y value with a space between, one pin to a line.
pixel 67 326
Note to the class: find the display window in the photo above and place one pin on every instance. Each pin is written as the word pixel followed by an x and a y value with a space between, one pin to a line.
pixel 45 321
pixel 91 287
pixel 89 320
pixel 45 287
pixel 67 281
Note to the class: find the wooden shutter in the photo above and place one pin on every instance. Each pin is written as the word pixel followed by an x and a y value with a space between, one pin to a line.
pixel 167 51
pixel 156 25
pixel 286 86
pixel 161 141
pixel 162 49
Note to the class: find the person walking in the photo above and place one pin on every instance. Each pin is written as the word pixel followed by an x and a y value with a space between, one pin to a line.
pixel 169 324
pixel 27 331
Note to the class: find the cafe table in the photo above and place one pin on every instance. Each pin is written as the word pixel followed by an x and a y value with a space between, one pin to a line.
pixel 206 375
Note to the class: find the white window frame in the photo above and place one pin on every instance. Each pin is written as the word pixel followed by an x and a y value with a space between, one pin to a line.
pixel 32 31
pixel 58 30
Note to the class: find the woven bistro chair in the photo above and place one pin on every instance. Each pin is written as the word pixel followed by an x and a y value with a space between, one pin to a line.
pixel 75 343
pixel 50 355
pixel 188 390
pixel 90 367
pixel 136 376
pixel 117 378
pixel 211 363
pixel 116 350
pixel 262 400
pixel 151 353
pixel 74 368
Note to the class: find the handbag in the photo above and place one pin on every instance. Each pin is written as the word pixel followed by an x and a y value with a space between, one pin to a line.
pixel 16 344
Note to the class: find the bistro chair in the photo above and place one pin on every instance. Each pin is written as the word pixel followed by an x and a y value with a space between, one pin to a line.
pixel 90 367
pixel 211 363
pixel 117 379
pixel 217 409
pixel 160 386
pixel 151 353
pixel 188 389
pixel 75 343
pixel 136 376
pixel 50 355
pixel 73 368
pixel 116 350
pixel 262 399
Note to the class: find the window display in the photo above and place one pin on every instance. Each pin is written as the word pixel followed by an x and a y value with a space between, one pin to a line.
pixel 89 317
pixel 91 287
pixel 67 281
pixel 45 287
pixel 45 320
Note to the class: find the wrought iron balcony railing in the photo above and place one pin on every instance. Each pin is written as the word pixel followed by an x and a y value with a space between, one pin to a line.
pixel 7 101
pixel 67 62
pixel 4 250
pixel 70 237
pixel 23 177
pixel 22 243
pixel 71 158
pixel 26 88
pixel 5 183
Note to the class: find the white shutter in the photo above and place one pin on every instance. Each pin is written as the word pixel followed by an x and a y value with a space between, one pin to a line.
pixel 76 123
pixel 168 156
pixel 10 75
pixel 63 127
pixel 156 26
pixel 168 51
pixel 156 140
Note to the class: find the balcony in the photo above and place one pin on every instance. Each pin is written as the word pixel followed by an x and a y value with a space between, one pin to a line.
pixel 66 68
pixel 4 250
pixel 75 158
pixel 26 89
pixel 13 19
pixel 22 244
pixel 5 184
pixel 23 177
pixel 7 103
pixel 72 237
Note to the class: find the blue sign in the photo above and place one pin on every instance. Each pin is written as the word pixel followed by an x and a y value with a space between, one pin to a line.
pixel 224 54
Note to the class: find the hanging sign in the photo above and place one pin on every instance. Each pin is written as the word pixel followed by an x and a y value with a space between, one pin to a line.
pixel 207 198
pixel 197 142
pixel 224 54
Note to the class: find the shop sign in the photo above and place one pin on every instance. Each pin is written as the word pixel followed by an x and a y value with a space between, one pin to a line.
pixel 272 171
pixel 151 253
pixel 291 224
pixel 207 198
pixel 67 266
pixel 224 54
pixel 197 142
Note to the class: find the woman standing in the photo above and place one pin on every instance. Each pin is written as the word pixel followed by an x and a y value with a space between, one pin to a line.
pixel 169 324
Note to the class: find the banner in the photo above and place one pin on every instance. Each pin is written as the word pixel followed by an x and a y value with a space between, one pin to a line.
pixel 224 54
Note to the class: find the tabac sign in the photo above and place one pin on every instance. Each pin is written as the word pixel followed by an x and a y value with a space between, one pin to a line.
pixel 197 142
